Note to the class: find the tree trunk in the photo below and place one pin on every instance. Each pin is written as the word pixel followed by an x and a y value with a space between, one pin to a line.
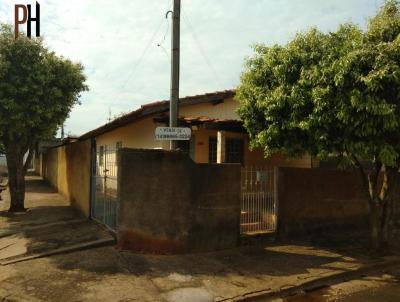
pixel 16 177
pixel 375 213
pixel 388 215
pixel 381 211
pixel 381 196
pixel 380 226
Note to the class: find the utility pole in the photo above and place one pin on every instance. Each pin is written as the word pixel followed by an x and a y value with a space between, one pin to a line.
pixel 175 44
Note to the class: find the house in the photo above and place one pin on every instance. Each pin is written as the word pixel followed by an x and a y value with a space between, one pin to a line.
pixel 86 170
pixel 160 201
pixel 218 135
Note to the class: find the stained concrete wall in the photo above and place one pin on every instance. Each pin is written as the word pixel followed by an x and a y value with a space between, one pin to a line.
pixel 310 200
pixel 67 168
pixel 169 204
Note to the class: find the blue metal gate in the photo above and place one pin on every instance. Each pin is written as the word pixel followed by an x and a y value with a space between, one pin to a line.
pixel 104 199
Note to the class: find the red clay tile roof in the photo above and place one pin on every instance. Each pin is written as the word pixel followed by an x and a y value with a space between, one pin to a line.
pixel 213 123
pixel 195 119
pixel 156 108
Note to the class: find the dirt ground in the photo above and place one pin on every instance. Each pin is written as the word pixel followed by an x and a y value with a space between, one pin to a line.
pixel 104 274
pixel 379 286
pixel 107 274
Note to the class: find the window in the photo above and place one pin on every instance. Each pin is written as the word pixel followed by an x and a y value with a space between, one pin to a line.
pixel 101 155
pixel 212 150
pixel 184 146
pixel 234 150
pixel 188 147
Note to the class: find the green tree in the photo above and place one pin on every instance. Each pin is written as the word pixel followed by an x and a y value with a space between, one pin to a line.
pixel 333 93
pixel 37 92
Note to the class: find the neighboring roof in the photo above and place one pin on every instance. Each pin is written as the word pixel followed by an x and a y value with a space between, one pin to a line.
pixel 193 120
pixel 43 145
pixel 159 107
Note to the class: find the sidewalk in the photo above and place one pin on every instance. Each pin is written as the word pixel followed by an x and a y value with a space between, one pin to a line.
pixel 105 274
pixel 50 226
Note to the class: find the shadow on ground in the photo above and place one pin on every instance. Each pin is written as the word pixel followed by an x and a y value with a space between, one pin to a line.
pixel 49 224
pixel 106 274
pixel 272 260
pixel 44 205
pixel 48 207
pixel 37 185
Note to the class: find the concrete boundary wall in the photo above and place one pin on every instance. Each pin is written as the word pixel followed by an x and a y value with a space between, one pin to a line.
pixel 312 200
pixel 67 168
pixel 169 204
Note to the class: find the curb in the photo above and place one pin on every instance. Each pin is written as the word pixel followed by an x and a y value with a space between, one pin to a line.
pixel 70 249
pixel 41 226
pixel 314 284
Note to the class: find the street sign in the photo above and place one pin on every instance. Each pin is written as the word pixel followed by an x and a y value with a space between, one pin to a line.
pixel 173 134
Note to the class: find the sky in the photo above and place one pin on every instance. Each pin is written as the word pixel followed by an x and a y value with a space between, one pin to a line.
pixel 117 42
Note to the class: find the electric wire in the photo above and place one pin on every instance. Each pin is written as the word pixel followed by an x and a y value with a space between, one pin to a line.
pixel 140 59
pixel 160 44
pixel 201 49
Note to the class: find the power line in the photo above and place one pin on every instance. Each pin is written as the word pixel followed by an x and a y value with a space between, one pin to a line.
pixel 160 44
pixel 139 61
pixel 165 34
pixel 201 49
pixel 165 51
pixel 136 65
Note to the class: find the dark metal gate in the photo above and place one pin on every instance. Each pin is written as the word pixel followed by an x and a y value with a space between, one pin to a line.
pixel 258 200
pixel 104 203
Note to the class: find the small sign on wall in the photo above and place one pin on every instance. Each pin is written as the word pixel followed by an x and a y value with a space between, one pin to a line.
pixel 173 134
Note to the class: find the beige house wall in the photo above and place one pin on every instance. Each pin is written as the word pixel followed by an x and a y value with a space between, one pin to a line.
pixel 225 110
pixel 141 135
pixel 134 135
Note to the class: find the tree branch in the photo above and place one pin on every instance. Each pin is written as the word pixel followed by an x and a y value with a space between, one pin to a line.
pixel 384 187
pixel 364 177
pixel 375 177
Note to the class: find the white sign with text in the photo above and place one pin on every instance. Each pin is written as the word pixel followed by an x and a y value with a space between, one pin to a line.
pixel 173 134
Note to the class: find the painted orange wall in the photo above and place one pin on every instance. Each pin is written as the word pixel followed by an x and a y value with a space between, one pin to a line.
pixel 251 157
